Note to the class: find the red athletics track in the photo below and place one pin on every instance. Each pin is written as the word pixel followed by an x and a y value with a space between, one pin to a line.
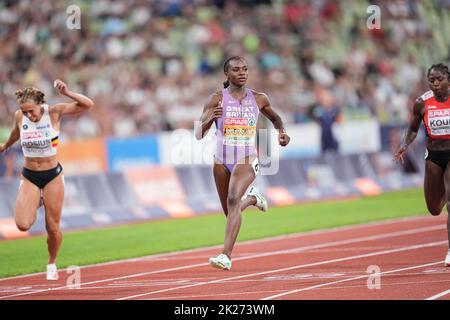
pixel 328 264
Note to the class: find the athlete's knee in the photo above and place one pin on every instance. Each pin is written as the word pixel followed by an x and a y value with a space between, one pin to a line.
pixel 434 210
pixel 233 200
pixel 24 225
pixel 52 228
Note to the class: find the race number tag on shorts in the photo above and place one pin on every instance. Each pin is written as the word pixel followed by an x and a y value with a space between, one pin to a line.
pixel 239 132
pixel 439 122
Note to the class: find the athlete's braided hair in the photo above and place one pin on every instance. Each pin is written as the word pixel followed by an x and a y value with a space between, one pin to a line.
pixel 441 67
pixel 226 65
pixel 30 93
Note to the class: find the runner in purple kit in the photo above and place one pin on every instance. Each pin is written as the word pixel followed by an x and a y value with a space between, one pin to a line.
pixel 235 111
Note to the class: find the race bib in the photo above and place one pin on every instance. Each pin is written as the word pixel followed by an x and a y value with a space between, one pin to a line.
pixel 239 132
pixel 439 122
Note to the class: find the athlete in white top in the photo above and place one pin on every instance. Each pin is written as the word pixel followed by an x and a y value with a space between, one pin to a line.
pixel 39 139
pixel 37 124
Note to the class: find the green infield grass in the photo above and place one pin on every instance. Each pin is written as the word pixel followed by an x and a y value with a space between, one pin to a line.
pixel 29 255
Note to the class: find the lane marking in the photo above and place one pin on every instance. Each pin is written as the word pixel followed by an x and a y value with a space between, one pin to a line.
pixel 439 295
pixel 351 279
pixel 388 284
pixel 292 250
pixel 420 246
pixel 357 226
pixel 212 295
pixel 209 296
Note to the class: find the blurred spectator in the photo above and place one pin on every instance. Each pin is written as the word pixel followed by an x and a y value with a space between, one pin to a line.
pixel 149 64
pixel 326 113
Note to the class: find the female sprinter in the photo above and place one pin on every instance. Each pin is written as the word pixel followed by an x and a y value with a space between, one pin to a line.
pixel 37 125
pixel 235 111
pixel 433 107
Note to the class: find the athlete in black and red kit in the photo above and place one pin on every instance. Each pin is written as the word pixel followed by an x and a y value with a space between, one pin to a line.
pixel 433 108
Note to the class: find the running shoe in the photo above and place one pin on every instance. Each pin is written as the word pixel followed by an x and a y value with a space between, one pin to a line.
pixel 52 272
pixel 261 202
pixel 221 262
pixel 447 259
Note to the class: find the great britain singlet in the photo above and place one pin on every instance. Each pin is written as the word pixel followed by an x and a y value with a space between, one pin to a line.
pixel 38 139
pixel 436 117
pixel 236 129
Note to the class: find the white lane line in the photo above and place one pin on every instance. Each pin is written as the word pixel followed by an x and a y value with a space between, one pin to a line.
pixel 259 255
pixel 420 246
pixel 393 284
pixel 439 295
pixel 214 296
pixel 350 279
pixel 250 242
pixel 359 286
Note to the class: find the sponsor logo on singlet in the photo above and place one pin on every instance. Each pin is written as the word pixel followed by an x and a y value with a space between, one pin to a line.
pixel 32 135
pixel 439 122
pixel 235 122
pixel 43 127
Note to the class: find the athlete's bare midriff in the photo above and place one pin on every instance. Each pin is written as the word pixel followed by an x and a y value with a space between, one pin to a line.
pixel 41 164
pixel 438 144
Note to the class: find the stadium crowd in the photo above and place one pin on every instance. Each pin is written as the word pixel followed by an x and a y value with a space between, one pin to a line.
pixel 149 65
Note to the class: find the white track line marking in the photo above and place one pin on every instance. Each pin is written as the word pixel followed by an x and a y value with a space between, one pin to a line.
pixel 350 279
pixel 420 246
pixel 439 295
pixel 193 297
pixel 212 295
pixel 343 242
pixel 388 284
pixel 293 250
pixel 249 242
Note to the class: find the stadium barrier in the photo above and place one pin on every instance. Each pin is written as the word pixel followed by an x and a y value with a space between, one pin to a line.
pixel 155 192
pixel 114 181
